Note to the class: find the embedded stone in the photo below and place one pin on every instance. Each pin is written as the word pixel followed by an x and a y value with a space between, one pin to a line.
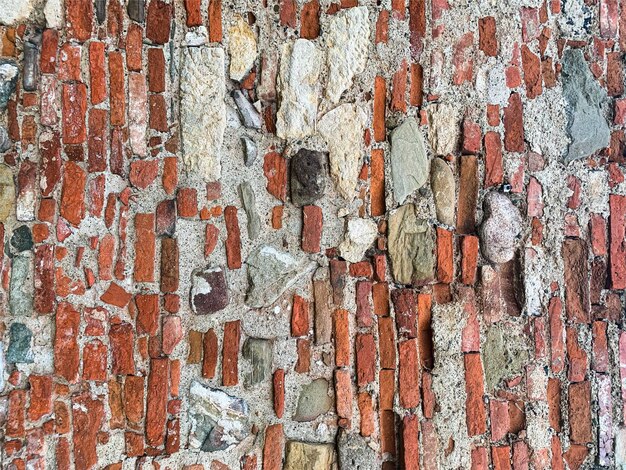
pixel 21 240
pixel 587 127
pixel 342 129
pixel 260 354
pixel 218 420
pixel 313 401
pixel 504 355
pixel 7 192
pixel 501 227
pixel 443 130
pixel 136 10
pixel 249 114
pixel 347 39
pixel 359 236
pixel 298 83
pixel 249 204
pixel 19 350
pixel 209 291
pixel 411 247
pixel 21 287
pixel 242 49
pixel 30 73
pixel 308 176
pixel 443 187
pixel 409 160
pixel 354 452
pixel 300 455
pixel 270 273
pixel 250 150
pixel 8 70
pixel 203 112
pixel 5 140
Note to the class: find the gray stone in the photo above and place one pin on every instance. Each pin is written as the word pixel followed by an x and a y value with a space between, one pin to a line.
pixel 309 456
pixel 348 39
pixel 587 126
pixel 308 176
pixel 202 110
pixel 250 150
pixel 313 401
pixel 260 354
pixel 19 350
pixel 8 79
pixel 31 66
pixel 620 448
pixel 21 240
pixel 504 353
pixel 7 192
pixel 443 128
pixel 249 204
pixel 137 10
pixel 249 114
pixel 355 453
pixel 242 49
pixel 5 141
pixel 359 236
pixel 218 420
pixel 101 10
pixel 409 160
pixel 209 291
pixel 501 227
pixel 444 190
pixel 411 247
pixel 21 288
pixel 270 273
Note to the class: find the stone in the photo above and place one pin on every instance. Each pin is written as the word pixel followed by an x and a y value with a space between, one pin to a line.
pixel 300 455
pixel 411 247
pixel 347 40
pixel 248 200
pixel 8 71
pixel 443 131
pixel 242 49
pixel 5 140
pixel 136 10
pixel 308 176
pixel 203 112
pixel 359 236
pixel 209 291
pixel 218 420
pixel 19 350
pixel 355 453
pixel 587 126
pixel 197 37
pixel 270 273
pixel 250 150
pixel 620 448
pixel 21 288
pixel 313 401
pixel 298 82
pixel 14 11
pixel 409 160
pixel 501 228
pixel 21 240
pixel 7 192
pixel 260 354
pixel 249 114
pixel 342 129
pixel 504 355
pixel 30 72
pixel 443 187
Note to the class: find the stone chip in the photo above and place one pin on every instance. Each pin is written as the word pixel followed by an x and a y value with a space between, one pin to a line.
pixel 443 187
pixel 308 176
pixel 501 227
pixel 313 401
pixel 310 456
pixel 409 160
pixel 242 49
pixel 359 236
pixel 209 291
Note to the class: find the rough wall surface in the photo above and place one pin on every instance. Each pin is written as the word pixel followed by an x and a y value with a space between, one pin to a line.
pixel 311 234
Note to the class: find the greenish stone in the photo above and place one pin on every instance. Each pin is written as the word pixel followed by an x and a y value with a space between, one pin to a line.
pixel 249 204
pixel 260 354
pixel 309 456
pixel 7 192
pixel 505 354
pixel 313 401
pixel 21 289
pixel 19 350
pixel 444 191
pixel 409 160
pixel 21 240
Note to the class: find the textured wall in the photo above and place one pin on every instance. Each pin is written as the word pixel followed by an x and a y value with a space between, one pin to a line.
pixel 308 235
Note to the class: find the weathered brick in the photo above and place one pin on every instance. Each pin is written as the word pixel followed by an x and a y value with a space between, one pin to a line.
pixel 66 352
pixel 408 376
pixel 474 387
pixel 74 110
pixel 514 125
pixel 580 412
pixel 145 249
pixel 468 194
pixel 380 99
pixel 156 401
pixel 209 352
pixel 311 229
pixel 365 358
pixel 230 353
pixel 233 238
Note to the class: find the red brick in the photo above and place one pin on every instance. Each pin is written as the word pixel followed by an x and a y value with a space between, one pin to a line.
pixel 134 399
pixel 600 357
pixel 617 222
pixel 95 361
pixel 273 447
pixel 288 11
pixel 575 254
pixel 215 20
pixel 501 457
pixel 117 93
pixel 487 40
pixel 158 113
pixel 366 411
pixel 209 353
pixel 16 413
pixel 480 460
pixel 499 418
pixel 474 387
pixel 609 18
pixel 398 89
pixel 494 172
pixel 116 295
pixel 40 396
pixel 387 431
pixel 303 347
pixel 194 16
pixel 380 99
pixel 310 20
pixel 156 401
pixel 144 248
pixel 365 358
pixel 343 393
pixel 468 194
pixel 557 334
pixel 134 444
pixel 363 306
pixel 300 316
pixel 417 26
pixel 122 339
pixel 147 313
pixel 445 255
pixel 88 416
pixel 577 357
pixel 44 279
pixel 342 338
pixel 416 91
pixel 230 353
pixel 377 185
pixel 387 343
pixel 408 376
pixel 74 110
pixel 614 74
pixel 553 396
pixel 514 125
pixel 386 389
pixel 469 259
pixel 462 59
pixel 48 54
pixel 576 456
pixel 66 353
pixel 380 298
pixel 69 63
pixel 312 221
pixel 410 439
pixel 79 18
pixel 158 21
pixel 233 238
pixel 156 70
pixel 405 306
pixel 580 412
pixel 187 202
pixel 279 392
pixel 424 330
pixel 532 73
pixel 275 170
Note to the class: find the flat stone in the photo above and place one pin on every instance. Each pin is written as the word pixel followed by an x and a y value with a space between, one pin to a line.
pixel 15 11
pixel 197 37
pixel 501 227
pixel 30 73
pixel 270 273
pixel 19 350
pixel 218 420
pixel 242 49
pixel 310 456
pixel 504 355
pixel 8 69
pixel 298 83
pixel 5 140
pixel 620 448
pixel 587 126
pixel 202 110
pixel 443 128
pixel 347 39
pixel 209 291
pixel 249 204
pixel 359 236
pixel 443 187
pixel 21 240
pixel 260 354
pixel 250 150
pixel 7 192
pixel 313 401
pixel 308 176
pixel 411 247
pixel 21 287
pixel 342 129
pixel 354 453
pixel 137 10
pixel 249 114
pixel 409 160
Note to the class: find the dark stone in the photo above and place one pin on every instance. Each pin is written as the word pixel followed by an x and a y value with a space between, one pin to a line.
pixel 19 344
pixel 137 10
pixel 249 150
pixel 31 66
pixel 101 10
pixel 8 81
pixel 209 291
pixel 249 114
pixel 21 240
pixel 308 176
pixel 260 353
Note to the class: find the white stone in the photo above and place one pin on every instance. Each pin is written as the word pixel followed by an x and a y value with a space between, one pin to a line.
pixel 359 237
pixel 347 41
pixel 620 449
pixel 137 113
pixel 242 49
pixel 342 128
pixel 53 11
pixel 14 11
pixel 197 37
pixel 298 83
pixel 203 112
pixel 443 128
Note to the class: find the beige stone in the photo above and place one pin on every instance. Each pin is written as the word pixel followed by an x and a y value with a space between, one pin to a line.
pixel 242 49
pixel 309 456
pixel 7 192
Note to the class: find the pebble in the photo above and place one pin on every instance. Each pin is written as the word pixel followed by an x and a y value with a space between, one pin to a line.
pixel 308 176
pixel 249 114
pixel 501 227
